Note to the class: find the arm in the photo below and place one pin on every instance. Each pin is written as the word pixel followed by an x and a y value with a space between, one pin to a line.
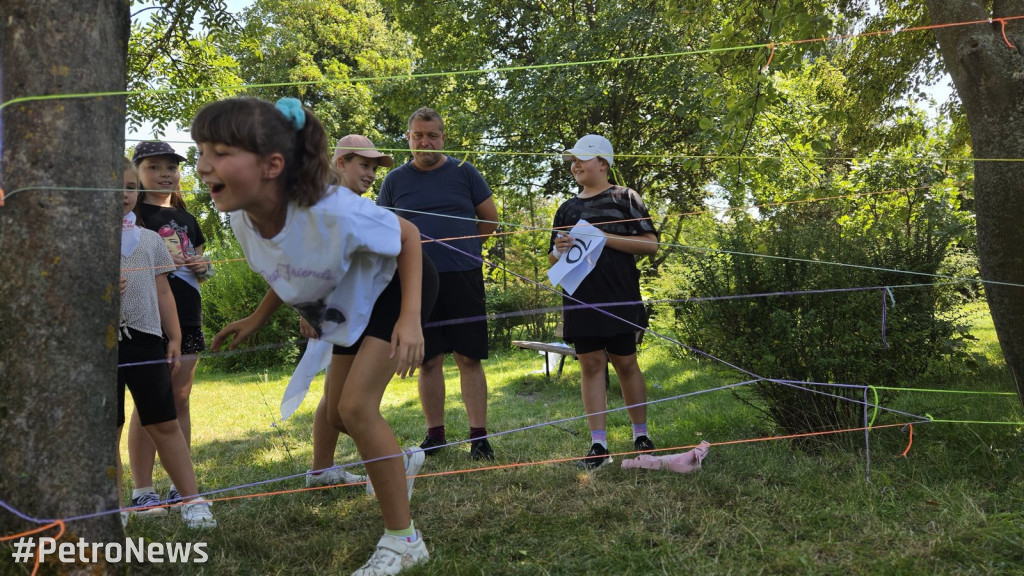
pixel 242 329
pixel 487 218
pixel 169 321
pixel 407 336
pixel 645 244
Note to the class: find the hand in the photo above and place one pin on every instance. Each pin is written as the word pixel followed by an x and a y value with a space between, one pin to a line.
pixel 562 243
pixel 407 345
pixel 174 356
pixel 197 264
pixel 124 285
pixel 239 330
pixel 306 329
pixel 178 258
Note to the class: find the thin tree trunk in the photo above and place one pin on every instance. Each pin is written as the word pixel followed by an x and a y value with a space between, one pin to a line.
pixel 988 71
pixel 59 261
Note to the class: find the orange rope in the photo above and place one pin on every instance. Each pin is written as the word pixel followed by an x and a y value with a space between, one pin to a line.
pixel 910 441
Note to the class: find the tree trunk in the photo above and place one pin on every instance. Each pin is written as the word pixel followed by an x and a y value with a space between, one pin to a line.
pixel 989 77
pixel 59 264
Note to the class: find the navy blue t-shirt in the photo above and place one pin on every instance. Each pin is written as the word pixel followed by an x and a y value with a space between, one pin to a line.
pixel 442 204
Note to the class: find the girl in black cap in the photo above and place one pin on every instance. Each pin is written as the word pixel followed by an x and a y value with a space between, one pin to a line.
pixel 162 209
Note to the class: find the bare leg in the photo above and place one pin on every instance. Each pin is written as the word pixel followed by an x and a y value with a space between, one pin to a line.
pixel 474 390
pixel 141 451
pixel 634 388
pixel 174 455
pixel 325 436
pixel 431 388
pixel 359 408
pixel 592 387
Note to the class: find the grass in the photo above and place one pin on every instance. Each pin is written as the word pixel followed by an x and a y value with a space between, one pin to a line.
pixel 953 505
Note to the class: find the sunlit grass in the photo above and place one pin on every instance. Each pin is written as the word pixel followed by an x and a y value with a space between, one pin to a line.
pixel 953 505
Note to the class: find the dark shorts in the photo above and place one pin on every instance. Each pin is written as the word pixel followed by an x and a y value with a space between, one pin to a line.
pixel 460 296
pixel 193 341
pixel 619 345
pixel 149 383
pixel 389 305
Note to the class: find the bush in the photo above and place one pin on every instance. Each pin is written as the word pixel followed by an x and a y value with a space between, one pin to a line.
pixel 825 337
pixel 512 297
pixel 234 292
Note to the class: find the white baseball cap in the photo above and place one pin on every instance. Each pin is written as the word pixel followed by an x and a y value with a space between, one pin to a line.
pixel 591 146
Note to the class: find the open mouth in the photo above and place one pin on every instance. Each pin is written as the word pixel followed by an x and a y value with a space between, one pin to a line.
pixel 215 188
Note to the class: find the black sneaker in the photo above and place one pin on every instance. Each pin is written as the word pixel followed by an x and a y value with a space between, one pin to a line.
pixel 431 445
pixel 597 457
pixel 480 449
pixel 643 444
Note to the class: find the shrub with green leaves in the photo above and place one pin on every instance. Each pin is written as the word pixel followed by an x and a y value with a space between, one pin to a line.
pixel 233 293
pixel 825 337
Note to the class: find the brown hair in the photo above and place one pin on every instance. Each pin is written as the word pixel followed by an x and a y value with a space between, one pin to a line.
pixel 129 165
pixel 427 114
pixel 259 127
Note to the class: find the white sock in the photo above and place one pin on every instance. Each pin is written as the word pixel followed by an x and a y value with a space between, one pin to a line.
pixel 140 491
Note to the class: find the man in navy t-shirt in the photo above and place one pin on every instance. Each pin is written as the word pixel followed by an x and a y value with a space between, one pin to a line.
pixel 450 203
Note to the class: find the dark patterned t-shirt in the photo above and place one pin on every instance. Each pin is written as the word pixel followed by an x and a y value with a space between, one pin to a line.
pixel 615 278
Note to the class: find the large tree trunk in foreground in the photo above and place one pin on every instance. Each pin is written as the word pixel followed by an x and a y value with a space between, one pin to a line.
pixel 989 77
pixel 59 261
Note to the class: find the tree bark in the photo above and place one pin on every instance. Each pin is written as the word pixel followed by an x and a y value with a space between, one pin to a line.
pixel 989 76
pixel 61 167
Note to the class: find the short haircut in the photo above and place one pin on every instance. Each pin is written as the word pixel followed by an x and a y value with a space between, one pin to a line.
pixel 428 114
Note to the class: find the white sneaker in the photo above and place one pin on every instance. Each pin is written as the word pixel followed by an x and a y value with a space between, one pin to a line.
pixel 394 554
pixel 414 459
pixel 196 514
pixel 332 477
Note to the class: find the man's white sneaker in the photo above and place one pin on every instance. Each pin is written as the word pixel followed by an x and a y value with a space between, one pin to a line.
pixel 414 459
pixel 394 554
pixel 196 514
pixel 332 477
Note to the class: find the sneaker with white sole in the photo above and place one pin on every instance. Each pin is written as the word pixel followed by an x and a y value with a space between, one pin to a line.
pixel 174 499
pixel 414 459
pixel 394 554
pixel 196 514
pixel 145 501
pixel 332 477
pixel 596 458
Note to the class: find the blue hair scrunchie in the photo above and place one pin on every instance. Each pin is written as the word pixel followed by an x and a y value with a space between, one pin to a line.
pixel 292 110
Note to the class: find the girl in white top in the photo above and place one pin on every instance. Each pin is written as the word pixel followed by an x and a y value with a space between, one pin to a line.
pixel 331 255
pixel 147 312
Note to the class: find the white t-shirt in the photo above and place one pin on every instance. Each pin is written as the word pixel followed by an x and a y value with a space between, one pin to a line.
pixel 330 261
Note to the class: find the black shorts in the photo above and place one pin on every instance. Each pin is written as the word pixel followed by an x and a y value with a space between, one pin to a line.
pixel 389 305
pixel 460 295
pixel 619 345
pixel 193 341
pixel 149 383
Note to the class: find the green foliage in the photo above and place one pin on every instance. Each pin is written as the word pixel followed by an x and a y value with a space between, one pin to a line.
pixel 832 337
pixel 513 297
pixel 174 66
pixel 311 49
pixel 233 293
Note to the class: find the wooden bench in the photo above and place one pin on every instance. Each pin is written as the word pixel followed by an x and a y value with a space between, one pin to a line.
pixel 547 348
